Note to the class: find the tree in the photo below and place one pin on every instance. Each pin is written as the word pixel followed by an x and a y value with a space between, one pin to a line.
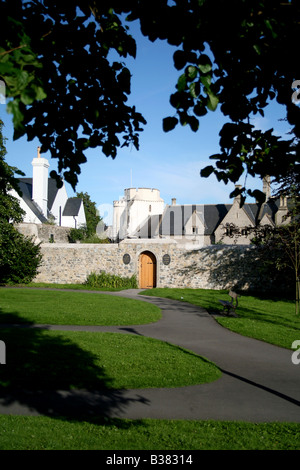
pixel 91 213
pixel 19 256
pixel 277 246
pixel 284 242
pixel 66 91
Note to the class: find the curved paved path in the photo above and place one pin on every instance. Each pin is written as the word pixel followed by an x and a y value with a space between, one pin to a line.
pixel 259 382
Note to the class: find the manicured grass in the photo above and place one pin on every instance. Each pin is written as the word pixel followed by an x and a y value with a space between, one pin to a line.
pixel 43 433
pixel 266 319
pixel 47 285
pixel 40 360
pixel 46 359
pixel 56 307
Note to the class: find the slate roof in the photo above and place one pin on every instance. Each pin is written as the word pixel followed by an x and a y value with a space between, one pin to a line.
pixel 72 206
pixel 174 224
pixel 175 217
pixel 25 185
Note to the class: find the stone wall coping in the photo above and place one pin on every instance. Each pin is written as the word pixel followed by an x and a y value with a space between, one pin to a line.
pixel 148 241
pixel 81 246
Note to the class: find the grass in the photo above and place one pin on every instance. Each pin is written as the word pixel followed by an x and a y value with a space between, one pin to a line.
pixel 54 360
pixel 84 287
pixel 106 360
pixel 72 308
pixel 43 433
pixel 270 320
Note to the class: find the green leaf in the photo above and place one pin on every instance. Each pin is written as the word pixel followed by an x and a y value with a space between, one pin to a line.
pixel 191 72
pixel 27 96
pixel 205 64
pixel 206 81
pixel 13 108
pixel 212 101
pixel 40 93
pixel 169 123
pixel 181 84
pixel 194 89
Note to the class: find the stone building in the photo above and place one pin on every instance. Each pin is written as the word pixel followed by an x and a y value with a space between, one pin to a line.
pixel 133 209
pixel 142 214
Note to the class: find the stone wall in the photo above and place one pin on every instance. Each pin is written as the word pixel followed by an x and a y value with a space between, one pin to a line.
pixel 214 267
pixel 45 232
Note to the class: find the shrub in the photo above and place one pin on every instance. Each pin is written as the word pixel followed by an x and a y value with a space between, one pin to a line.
pixel 20 257
pixel 106 280
pixel 77 234
pixel 81 235
pixel 95 239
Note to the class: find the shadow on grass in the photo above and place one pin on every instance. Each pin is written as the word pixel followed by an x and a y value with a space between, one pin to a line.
pixel 48 374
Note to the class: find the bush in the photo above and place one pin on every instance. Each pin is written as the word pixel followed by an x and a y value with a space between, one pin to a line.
pixel 77 234
pixel 20 257
pixel 106 280
pixel 95 239
pixel 81 235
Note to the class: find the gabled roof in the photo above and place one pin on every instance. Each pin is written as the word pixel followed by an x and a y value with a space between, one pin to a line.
pixel 52 192
pixel 213 216
pixel 25 185
pixel 175 217
pixel 72 206
pixel 270 209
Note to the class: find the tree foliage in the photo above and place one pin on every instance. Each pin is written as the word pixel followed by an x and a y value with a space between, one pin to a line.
pixel 283 241
pixel 19 256
pixel 278 247
pixel 67 92
pixel 91 214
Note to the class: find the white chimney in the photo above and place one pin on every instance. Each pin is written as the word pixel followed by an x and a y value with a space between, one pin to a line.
pixel 267 187
pixel 173 201
pixel 40 182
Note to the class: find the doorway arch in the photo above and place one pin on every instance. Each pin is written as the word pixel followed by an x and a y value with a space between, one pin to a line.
pixel 147 270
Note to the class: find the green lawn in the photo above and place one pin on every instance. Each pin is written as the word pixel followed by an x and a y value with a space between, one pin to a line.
pixel 72 308
pixel 43 433
pixel 41 359
pixel 266 319
pixel 44 359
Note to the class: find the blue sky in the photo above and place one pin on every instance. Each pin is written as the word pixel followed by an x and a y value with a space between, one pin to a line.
pixel 170 162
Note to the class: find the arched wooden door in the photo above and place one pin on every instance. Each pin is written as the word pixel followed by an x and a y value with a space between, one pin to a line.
pixel 147 270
